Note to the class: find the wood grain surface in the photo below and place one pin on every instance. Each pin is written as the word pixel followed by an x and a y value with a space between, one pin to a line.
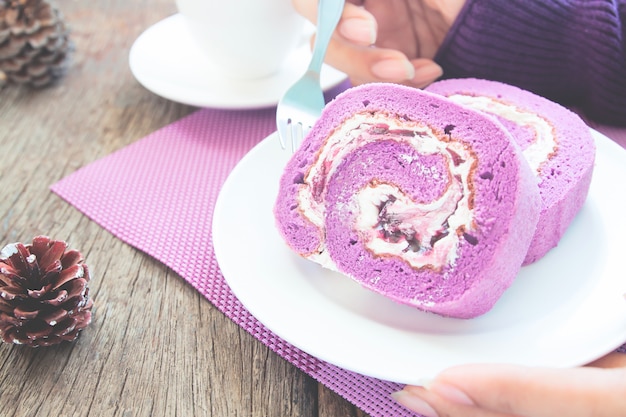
pixel 156 347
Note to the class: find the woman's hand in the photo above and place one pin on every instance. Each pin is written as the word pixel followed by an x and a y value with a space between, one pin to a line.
pixel 388 40
pixel 598 390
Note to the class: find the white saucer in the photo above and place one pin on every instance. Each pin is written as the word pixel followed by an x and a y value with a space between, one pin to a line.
pixel 164 60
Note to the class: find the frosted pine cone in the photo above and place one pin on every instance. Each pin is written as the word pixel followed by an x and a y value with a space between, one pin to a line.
pixel 34 42
pixel 44 297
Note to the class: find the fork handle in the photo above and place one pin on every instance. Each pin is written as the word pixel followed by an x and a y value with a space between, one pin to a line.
pixel 328 15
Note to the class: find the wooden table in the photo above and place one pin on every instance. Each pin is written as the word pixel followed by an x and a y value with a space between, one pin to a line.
pixel 156 347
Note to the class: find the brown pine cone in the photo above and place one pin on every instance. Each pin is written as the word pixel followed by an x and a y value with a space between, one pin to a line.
pixel 44 297
pixel 34 42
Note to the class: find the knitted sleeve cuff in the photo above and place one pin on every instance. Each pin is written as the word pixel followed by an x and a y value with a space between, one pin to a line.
pixel 571 51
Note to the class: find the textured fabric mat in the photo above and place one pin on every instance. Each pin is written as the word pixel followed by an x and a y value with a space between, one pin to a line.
pixel 157 195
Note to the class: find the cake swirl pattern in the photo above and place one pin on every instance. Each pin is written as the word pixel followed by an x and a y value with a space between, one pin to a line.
pixel 389 220
pixel 413 196
pixel 555 142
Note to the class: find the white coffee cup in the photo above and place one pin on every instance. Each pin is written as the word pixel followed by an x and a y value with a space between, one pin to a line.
pixel 243 39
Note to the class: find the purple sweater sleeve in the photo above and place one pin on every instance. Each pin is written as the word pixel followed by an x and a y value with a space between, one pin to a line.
pixel 571 51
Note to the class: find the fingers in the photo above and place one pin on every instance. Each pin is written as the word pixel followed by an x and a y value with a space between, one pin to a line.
pixel 365 64
pixel 356 19
pixel 351 50
pixel 505 390
pixel 428 404
pixel 368 64
pixel 386 65
pixel 356 25
pixel 426 72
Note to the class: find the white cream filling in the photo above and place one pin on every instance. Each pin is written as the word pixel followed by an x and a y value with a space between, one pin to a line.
pixel 425 220
pixel 539 150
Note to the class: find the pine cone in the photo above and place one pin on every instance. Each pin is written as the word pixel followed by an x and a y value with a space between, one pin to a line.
pixel 34 43
pixel 44 297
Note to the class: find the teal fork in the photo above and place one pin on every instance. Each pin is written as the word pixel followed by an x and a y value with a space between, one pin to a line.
pixel 302 104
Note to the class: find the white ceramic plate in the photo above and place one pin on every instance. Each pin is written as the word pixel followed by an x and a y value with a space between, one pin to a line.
pixel 565 310
pixel 165 60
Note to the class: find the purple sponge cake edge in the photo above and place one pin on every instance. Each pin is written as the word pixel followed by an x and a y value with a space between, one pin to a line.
pixel 564 178
pixel 506 205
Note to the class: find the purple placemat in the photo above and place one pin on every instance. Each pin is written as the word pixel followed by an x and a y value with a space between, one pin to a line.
pixel 158 195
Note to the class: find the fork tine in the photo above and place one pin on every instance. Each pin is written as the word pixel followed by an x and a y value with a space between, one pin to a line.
pixel 284 130
pixel 305 132
pixel 296 136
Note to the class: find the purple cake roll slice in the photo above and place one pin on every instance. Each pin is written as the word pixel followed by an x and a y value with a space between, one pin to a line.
pixel 556 143
pixel 415 197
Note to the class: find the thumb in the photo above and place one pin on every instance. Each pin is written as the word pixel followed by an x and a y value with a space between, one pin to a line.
pixel 532 392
